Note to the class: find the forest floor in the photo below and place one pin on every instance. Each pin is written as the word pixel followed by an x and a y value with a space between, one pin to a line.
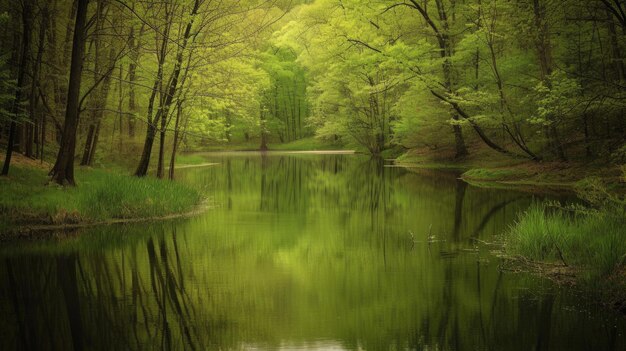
pixel 29 202
pixel 487 168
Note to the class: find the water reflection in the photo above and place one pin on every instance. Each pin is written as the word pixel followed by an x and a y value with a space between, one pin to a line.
pixel 305 252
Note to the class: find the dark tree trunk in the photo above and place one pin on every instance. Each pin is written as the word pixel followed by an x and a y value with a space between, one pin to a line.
pixel 21 75
pixel 135 47
pixel 43 137
pixel 63 171
pixel 544 53
pixel 88 144
pixel 31 131
pixel 160 164
pixel 92 151
pixel 173 86
pixel 144 162
pixel 103 74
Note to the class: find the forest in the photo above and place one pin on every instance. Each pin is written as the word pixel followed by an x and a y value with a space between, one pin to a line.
pixel 443 139
pixel 533 79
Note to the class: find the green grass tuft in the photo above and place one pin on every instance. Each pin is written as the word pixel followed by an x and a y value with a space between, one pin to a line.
pixel 25 198
pixel 594 241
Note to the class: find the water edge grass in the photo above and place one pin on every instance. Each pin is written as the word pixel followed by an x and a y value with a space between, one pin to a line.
pixel 27 198
pixel 593 242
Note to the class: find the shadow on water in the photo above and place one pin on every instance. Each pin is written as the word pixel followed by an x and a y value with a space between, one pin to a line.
pixel 309 252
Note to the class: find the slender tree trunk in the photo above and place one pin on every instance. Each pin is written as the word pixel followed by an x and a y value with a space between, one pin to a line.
pixel 63 171
pixel 446 54
pixel 27 8
pixel 544 52
pixel 160 163
pixel 88 144
pixel 43 137
pixel 263 146
pixel 179 109
pixel 31 136
pixel 144 162
pixel 173 85
pixel 135 46
pixel 96 136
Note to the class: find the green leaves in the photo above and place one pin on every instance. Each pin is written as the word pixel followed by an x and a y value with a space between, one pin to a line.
pixel 557 99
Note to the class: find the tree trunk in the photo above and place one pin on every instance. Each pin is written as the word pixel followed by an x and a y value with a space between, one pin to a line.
pixel 446 54
pixel 173 86
pixel 179 109
pixel 92 151
pixel 160 164
pixel 144 162
pixel 88 144
pixel 31 136
pixel 263 146
pixel 544 53
pixel 63 171
pixel 135 46
pixel 21 75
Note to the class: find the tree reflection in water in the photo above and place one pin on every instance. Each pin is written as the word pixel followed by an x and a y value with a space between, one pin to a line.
pixel 302 252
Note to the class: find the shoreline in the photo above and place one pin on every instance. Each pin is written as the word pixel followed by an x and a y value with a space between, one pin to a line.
pixel 28 231
pixel 542 175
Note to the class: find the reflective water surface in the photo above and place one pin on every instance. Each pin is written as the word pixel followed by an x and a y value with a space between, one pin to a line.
pixel 311 252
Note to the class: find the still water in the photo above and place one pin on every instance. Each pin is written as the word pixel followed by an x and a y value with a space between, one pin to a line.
pixel 299 252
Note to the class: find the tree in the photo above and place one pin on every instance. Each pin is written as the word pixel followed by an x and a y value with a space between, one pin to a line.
pixel 22 65
pixel 63 171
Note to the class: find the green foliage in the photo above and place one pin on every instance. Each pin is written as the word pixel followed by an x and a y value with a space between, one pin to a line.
pixel 558 99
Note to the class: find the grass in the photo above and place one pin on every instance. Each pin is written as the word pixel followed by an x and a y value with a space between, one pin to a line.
pixel 593 241
pixel 25 198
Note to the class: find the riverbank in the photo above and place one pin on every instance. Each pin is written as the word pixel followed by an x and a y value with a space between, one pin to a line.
pixel 28 201
pixel 304 144
pixel 582 245
pixel 486 168
pixel 577 245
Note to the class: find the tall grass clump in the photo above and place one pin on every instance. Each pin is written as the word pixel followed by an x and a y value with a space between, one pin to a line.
pixel 107 195
pixel 589 237
pixel 28 198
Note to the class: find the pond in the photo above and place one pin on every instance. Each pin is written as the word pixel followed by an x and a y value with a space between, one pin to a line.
pixel 305 252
